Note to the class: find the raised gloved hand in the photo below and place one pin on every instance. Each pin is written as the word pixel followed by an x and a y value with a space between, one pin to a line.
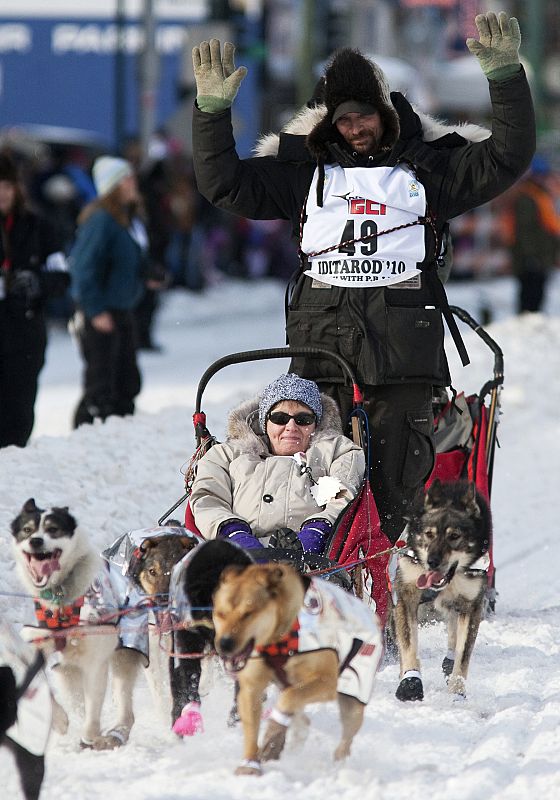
pixel 238 531
pixel 498 48
pixel 217 80
pixel 313 535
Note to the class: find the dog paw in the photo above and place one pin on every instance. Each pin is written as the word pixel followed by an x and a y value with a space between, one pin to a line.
pixel 341 752
pixel 410 689
pixel 190 722
pixel 115 737
pixel 274 741
pixel 248 767
pixel 447 666
pixel 40 639
pixel 456 686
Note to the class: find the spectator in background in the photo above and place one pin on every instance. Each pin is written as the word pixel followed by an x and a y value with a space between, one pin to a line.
pixel 535 235
pixel 108 265
pixel 152 184
pixel 32 269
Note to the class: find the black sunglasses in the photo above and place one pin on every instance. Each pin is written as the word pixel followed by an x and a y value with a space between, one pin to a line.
pixel 281 418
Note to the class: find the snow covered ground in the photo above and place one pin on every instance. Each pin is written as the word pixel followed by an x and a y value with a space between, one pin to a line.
pixel 501 744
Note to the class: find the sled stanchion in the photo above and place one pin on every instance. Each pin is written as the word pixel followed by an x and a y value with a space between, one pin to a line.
pixel 465 317
pixel 492 387
pixel 274 352
pixel 170 511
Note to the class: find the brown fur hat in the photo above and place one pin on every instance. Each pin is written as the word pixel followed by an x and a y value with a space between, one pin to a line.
pixel 352 76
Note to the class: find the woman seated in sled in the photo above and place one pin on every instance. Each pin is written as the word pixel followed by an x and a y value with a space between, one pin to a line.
pixel 284 465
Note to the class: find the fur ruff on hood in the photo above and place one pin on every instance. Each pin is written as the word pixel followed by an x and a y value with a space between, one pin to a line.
pixel 307 119
pixel 243 425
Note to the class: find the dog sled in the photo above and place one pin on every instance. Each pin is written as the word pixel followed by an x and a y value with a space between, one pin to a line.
pixel 357 553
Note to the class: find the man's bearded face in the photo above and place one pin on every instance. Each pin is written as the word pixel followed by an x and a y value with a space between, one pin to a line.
pixel 362 132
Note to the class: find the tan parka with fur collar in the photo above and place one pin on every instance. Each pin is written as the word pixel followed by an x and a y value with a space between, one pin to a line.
pixel 242 479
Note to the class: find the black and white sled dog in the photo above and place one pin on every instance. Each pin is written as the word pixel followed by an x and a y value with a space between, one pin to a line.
pixel 77 622
pixel 446 561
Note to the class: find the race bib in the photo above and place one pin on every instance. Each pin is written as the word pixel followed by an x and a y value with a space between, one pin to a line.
pixel 368 231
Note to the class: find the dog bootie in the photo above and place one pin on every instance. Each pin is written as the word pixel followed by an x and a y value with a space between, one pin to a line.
pixel 410 688
pixel 190 722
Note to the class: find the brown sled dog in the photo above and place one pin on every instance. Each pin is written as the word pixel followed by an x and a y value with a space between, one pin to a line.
pixel 445 561
pixel 257 613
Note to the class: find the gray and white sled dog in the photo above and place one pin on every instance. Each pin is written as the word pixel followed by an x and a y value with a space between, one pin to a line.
pixel 77 619
pixel 446 560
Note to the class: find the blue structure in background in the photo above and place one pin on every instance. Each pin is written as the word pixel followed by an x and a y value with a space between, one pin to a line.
pixel 62 70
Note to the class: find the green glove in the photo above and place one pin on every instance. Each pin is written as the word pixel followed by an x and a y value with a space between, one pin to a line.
pixel 217 80
pixel 498 48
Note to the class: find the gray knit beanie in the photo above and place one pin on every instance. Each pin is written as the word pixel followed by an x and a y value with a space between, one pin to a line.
pixel 290 387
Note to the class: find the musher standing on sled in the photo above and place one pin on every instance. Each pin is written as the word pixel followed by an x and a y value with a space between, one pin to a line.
pixel 369 199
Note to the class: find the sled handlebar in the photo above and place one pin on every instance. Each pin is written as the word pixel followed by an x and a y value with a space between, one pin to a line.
pixel 465 317
pixel 275 352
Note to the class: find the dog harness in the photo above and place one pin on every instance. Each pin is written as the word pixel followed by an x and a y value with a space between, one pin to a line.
pixel 56 618
pixel 59 618
pixel 276 655
pixel 332 619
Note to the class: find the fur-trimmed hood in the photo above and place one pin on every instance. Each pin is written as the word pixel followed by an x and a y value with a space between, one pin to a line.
pixel 243 425
pixel 306 120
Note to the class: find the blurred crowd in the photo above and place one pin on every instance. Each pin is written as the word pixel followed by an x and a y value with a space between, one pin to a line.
pixel 174 239
pixel 192 243
pixel 195 244
pixel 486 241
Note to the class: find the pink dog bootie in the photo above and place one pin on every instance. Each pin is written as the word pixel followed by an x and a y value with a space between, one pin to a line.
pixel 190 722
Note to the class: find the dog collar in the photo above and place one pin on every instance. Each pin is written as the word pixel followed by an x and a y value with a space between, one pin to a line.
pixel 56 596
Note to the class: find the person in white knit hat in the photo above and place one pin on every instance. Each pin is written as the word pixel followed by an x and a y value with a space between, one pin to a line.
pixel 108 172
pixel 108 262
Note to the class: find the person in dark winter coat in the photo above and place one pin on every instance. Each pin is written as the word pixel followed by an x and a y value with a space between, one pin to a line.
pixel 107 264
pixel 535 245
pixel 32 269
pixel 369 201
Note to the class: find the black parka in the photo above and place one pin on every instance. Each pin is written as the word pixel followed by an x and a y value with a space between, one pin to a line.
pixel 389 335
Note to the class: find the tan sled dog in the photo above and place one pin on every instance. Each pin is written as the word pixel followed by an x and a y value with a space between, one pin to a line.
pixel 273 624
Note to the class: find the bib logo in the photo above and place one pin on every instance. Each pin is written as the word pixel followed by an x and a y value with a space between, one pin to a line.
pixel 372 208
pixel 413 189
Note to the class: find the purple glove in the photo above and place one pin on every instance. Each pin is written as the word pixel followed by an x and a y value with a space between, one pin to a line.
pixel 239 532
pixel 313 534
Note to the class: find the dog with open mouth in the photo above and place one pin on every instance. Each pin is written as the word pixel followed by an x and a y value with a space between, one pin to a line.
pixel 73 600
pixel 445 561
pixel 316 641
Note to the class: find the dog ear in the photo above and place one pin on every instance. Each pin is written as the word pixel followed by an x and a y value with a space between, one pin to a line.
pixel 470 500
pixel 434 494
pixel 274 577
pixel 230 572
pixel 147 544
pixel 29 506
pixel 187 542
